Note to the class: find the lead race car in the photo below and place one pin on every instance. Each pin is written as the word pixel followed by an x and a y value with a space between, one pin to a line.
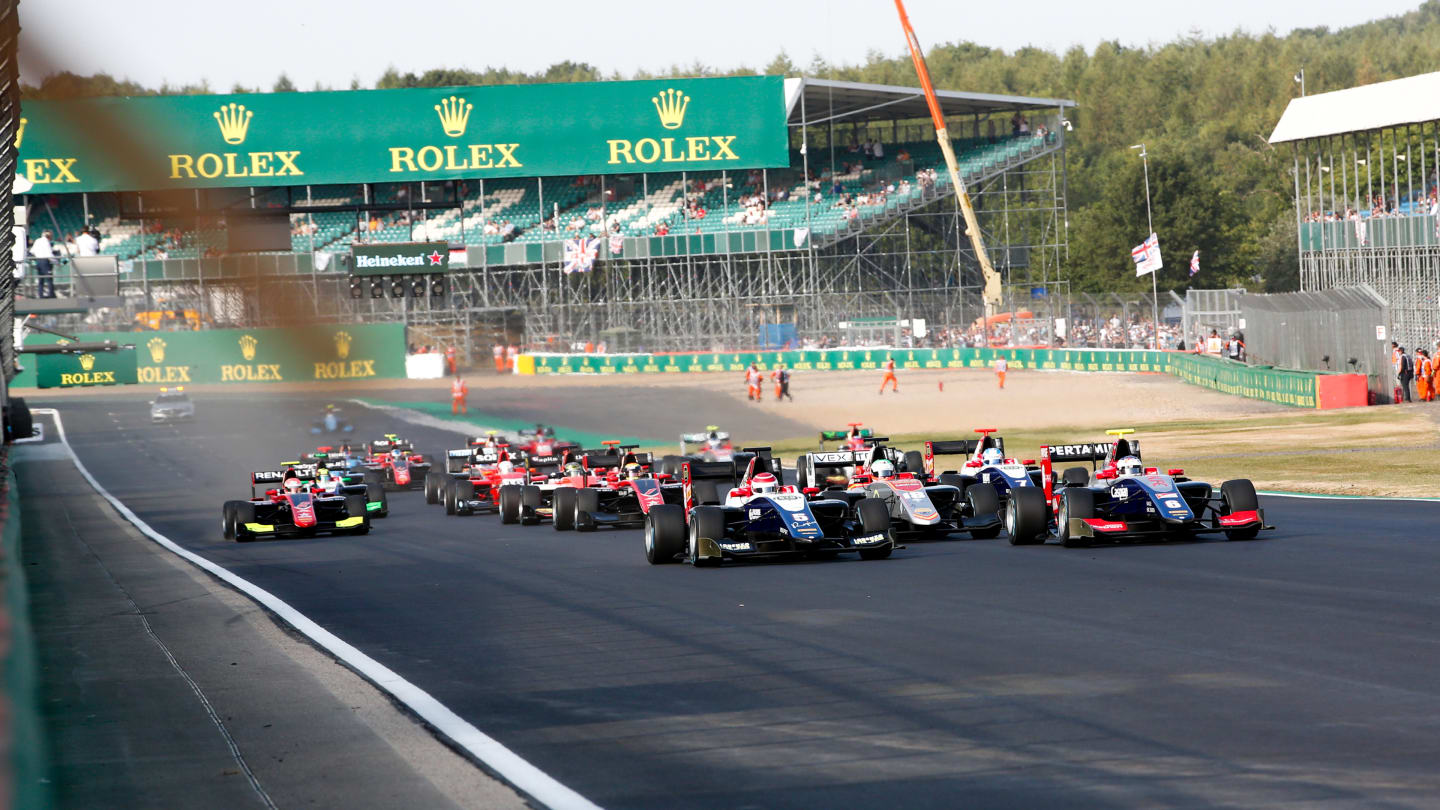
pixel 292 508
pixel 761 519
pixel 1125 500
pixel 393 463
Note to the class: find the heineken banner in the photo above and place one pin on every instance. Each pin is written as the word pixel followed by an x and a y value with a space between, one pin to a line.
pixel 374 136
pixel 401 258
pixel 1297 388
pixel 296 354
pixel 86 368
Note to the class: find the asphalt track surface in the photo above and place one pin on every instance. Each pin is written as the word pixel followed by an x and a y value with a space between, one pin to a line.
pixel 1294 670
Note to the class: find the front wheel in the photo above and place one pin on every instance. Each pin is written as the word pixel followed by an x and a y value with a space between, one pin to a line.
pixel 664 533
pixel 1239 496
pixel 587 503
pixel 1075 502
pixel 564 502
pixel 227 520
pixel 1025 516
pixel 874 519
pixel 375 493
pixel 984 503
pixel 510 504
pixel 433 483
pixel 243 513
pixel 705 522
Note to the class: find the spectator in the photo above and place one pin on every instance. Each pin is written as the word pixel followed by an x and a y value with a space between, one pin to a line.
pixel 877 150
pixel 44 255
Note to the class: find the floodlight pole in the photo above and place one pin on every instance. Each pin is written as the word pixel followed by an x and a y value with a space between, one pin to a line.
pixel 991 294
pixel 1154 285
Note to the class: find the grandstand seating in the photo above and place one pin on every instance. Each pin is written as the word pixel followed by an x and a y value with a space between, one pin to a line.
pixel 662 199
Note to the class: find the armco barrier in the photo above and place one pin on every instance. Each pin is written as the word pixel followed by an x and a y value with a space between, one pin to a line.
pixel 292 354
pixel 1301 389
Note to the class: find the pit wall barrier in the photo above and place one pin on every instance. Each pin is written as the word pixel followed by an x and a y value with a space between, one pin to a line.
pixel 290 354
pixel 1301 389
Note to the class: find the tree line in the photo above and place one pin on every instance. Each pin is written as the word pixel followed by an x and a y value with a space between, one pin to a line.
pixel 1204 107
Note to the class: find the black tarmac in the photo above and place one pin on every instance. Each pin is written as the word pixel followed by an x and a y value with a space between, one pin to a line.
pixel 1297 670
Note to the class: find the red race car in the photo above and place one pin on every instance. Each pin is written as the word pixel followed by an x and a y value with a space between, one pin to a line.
pixel 295 507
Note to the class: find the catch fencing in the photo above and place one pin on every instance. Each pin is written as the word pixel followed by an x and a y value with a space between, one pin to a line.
pixel 1340 330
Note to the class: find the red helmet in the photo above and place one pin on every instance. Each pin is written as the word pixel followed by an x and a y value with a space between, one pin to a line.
pixel 763 483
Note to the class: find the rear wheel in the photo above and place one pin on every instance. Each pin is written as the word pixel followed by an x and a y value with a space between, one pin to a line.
pixel 1074 503
pixel 564 503
pixel 706 492
pixel 802 480
pixel 510 504
pixel 227 520
pixel 375 493
pixel 664 533
pixel 1239 496
pixel 587 503
pixel 984 502
pixel 243 513
pixel 374 477
pixel 1025 516
pixel 707 522
pixel 914 462
pixel 1075 477
pixel 952 480
pixel 874 519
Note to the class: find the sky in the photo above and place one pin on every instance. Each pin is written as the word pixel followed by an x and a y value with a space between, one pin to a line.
pixel 330 43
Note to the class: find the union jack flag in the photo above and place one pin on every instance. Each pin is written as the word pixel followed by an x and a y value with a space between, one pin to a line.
pixel 617 244
pixel 580 254
pixel 1147 256
pixel 1195 263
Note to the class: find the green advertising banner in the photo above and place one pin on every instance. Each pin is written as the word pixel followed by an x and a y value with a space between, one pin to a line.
pixel 376 136
pixel 401 258
pixel 296 354
pixel 86 368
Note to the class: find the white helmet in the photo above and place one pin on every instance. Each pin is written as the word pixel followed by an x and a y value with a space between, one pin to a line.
pixel 505 467
pixel 764 483
pixel 992 456
pixel 882 468
pixel 1129 465
pixel 293 484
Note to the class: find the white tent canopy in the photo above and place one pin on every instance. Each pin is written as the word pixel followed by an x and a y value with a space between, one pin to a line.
pixel 1395 103
pixel 829 100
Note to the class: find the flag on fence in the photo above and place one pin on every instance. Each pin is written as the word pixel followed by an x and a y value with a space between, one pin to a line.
pixel 617 244
pixel 1360 231
pixel 1195 263
pixel 580 254
pixel 1147 256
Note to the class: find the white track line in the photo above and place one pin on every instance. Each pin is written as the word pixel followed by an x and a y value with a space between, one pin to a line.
pixel 509 765
pixel 1312 496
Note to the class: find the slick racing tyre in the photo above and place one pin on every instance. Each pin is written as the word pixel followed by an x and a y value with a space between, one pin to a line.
pixel 449 498
pixel 530 499
pixel 1239 496
pixel 242 513
pixel 1074 503
pixel 1075 477
pixel 984 503
pixel 227 520
pixel 375 493
pixel 802 480
pixel 1025 516
pixel 952 480
pixel 874 519
pixel 563 499
pixel 510 504
pixel 709 522
pixel 664 533
pixel 433 482
pixel 355 505
pixel 914 462
pixel 464 492
pixel 587 503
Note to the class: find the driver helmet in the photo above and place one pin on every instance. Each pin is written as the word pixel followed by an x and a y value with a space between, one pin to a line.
pixel 574 468
pixel 764 483
pixel 991 456
pixel 882 468
pixel 293 484
pixel 397 453
pixel 714 441
pixel 1129 465
pixel 322 475
pixel 505 467
pixel 633 470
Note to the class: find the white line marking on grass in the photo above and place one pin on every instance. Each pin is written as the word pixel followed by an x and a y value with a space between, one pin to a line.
pixel 504 762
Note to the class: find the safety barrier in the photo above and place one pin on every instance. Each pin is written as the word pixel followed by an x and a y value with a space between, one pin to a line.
pixel 1296 388
pixel 22 737
pixel 290 354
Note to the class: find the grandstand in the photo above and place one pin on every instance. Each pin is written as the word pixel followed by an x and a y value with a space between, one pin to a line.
pixel 1367 196
pixel 687 259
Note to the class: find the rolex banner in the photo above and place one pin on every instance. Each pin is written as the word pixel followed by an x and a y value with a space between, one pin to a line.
pixel 86 368
pixel 297 354
pixel 374 136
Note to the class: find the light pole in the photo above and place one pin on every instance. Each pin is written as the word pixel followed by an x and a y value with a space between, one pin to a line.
pixel 1154 286
pixel 1300 80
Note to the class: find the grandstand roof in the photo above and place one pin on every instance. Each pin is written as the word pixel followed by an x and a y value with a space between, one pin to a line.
pixel 827 100
pixel 1394 103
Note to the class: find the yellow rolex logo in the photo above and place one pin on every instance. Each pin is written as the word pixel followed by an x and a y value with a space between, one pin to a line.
pixel 20 133
pixel 454 115
pixel 247 347
pixel 157 349
pixel 87 362
pixel 671 105
pixel 342 344
pixel 234 122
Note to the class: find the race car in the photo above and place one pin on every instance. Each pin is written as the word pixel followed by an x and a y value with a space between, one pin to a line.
pixel 332 420
pixel 172 405
pixel 491 445
pixel 986 464
pixel 762 519
pixel 712 445
pixel 631 489
pixel 394 464
pixel 476 486
pixel 292 508
pixel 918 507
pixel 542 448
pixel 854 437
pixel 1125 500
pixel 532 501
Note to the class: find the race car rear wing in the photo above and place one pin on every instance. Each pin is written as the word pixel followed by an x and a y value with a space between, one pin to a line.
pixel 720 472
pixel 957 447
pixel 842 435
pixel 1086 452
pixel 829 459
pixel 268 478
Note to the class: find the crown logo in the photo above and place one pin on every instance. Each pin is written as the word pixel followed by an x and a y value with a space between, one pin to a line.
pixel 671 105
pixel 87 361
pixel 20 133
pixel 454 115
pixel 234 122
pixel 247 347
pixel 342 344
pixel 157 349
